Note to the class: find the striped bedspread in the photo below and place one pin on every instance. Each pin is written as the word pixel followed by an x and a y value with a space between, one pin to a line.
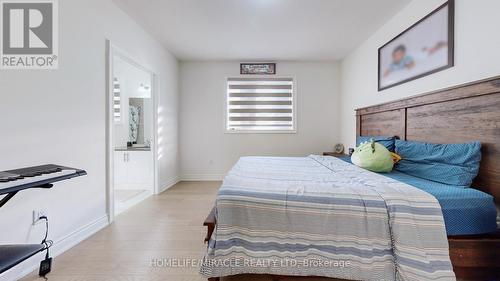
pixel 321 216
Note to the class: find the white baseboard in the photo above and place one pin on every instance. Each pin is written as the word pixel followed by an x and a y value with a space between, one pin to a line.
pixel 168 184
pixel 60 246
pixel 121 207
pixel 202 177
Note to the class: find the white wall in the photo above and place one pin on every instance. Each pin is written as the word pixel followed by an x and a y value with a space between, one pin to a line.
pixel 477 56
pixel 59 117
pixel 207 152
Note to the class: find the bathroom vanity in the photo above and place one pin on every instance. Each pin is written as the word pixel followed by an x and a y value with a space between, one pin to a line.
pixel 133 168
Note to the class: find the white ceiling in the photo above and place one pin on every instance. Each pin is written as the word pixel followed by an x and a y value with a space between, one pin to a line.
pixel 261 29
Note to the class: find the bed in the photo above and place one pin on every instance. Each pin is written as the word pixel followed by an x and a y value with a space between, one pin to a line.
pixel 466 211
pixel 402 233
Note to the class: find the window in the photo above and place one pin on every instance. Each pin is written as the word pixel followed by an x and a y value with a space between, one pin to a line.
pixel 260 104
pixel 117 109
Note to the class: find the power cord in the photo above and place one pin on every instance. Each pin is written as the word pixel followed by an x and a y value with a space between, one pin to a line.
pixel 46 264
pixel 47 243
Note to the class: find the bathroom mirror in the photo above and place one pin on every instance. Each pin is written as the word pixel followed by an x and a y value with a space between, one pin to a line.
pixel 132 105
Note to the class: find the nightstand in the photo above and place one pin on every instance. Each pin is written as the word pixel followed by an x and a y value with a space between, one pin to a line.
pixel 334 154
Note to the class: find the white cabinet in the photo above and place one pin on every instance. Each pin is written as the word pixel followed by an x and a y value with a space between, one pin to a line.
pixel 133 170
pixel 120 168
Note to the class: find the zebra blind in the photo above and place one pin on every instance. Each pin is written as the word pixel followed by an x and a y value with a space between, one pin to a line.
pixel 117 109
pixel 260 104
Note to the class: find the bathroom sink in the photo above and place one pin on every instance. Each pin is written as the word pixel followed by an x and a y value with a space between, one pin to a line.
pixel 136 148
pixel 139 146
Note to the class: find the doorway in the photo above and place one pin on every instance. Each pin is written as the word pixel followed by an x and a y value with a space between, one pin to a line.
pixel 131 132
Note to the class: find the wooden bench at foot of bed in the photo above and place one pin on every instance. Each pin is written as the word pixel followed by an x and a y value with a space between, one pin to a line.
pixel 474 257
pixel 210 224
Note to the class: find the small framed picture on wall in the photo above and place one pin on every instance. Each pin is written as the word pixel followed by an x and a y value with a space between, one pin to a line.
pixel 258 68
pixel 424 48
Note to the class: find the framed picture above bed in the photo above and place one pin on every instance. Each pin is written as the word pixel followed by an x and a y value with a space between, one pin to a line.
pixel 424 48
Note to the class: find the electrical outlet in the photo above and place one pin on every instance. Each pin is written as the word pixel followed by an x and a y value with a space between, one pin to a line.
pixel 37 214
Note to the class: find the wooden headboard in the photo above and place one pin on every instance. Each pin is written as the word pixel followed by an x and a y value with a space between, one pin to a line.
pixel 458 114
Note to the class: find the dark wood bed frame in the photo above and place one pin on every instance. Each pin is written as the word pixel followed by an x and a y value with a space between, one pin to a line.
pixel 457 114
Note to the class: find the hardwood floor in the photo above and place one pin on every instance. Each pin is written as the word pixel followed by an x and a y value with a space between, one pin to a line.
pixel 167 226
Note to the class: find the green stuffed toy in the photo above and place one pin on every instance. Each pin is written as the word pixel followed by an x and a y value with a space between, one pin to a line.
pixel 373 156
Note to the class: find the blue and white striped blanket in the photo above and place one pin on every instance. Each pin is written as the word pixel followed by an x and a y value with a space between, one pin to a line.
pixel 321 216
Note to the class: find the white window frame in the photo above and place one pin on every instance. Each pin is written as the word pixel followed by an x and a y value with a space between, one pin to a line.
pixel 294 107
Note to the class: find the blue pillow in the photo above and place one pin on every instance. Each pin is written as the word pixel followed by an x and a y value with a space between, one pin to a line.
pixel 388 142
pixel 453 164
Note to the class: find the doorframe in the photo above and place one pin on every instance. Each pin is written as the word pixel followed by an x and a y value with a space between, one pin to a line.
pixel 112 51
